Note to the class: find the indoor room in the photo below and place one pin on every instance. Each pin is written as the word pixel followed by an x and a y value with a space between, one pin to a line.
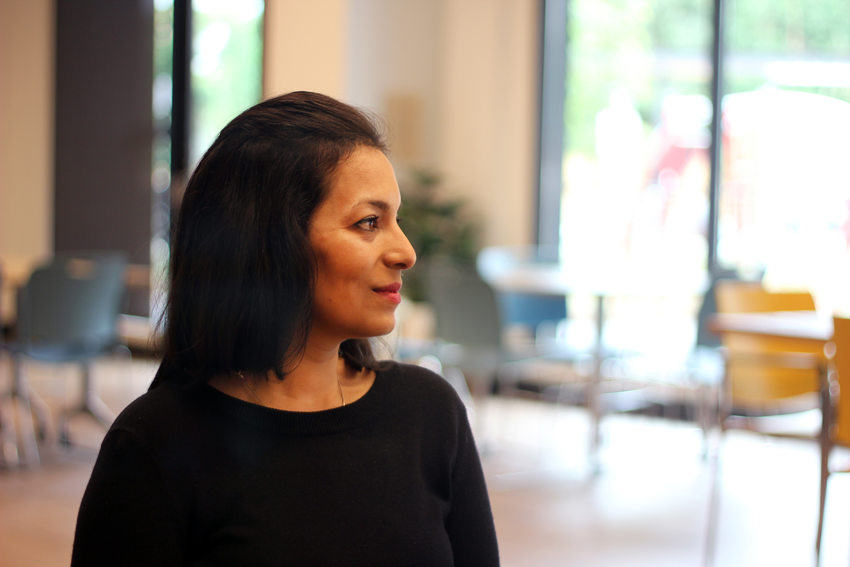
pixel 631 224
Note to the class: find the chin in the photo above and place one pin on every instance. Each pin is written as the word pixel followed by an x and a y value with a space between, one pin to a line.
pixel 379 330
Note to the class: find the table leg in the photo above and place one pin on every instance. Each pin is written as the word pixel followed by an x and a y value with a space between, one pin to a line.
pixel 594 388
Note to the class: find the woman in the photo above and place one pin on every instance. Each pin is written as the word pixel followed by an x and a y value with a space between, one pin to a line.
pixel 270 435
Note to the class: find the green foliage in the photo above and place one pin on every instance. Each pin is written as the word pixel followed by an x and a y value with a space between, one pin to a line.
pixel 632 45
pixel 230 78
pixel 651 48
pixel 438 228
pixel 791 27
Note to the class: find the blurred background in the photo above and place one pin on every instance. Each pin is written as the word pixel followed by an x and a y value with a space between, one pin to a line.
pixel 586 126
pixel 620 156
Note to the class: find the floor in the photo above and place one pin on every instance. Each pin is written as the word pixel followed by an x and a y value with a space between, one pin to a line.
pixel 647 506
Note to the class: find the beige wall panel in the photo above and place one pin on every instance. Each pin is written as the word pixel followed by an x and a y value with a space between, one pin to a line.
pixel 488 101
pixel 305 45
pixel 26 127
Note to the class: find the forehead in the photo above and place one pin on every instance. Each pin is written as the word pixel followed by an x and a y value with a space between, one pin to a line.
pixel 366 175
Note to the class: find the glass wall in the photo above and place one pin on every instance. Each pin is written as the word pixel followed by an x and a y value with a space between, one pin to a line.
pixel 225 76
pixel 637 115
pixel 784 192
pixel 636 166
pixel 227 66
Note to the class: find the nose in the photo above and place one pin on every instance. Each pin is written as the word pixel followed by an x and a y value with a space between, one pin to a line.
pixel 401 254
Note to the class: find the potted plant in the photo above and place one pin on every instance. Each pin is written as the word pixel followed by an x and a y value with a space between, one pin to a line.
pixel 438 227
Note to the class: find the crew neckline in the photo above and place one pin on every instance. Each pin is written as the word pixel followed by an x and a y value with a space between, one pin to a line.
pixel 320 422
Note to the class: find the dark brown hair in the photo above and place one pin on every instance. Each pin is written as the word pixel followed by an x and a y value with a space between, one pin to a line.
pixel 242 270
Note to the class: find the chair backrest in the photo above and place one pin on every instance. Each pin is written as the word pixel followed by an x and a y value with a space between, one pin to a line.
pixel 465 306
pixel 841 367
pixel 708 307
pixel 752 297
pixel 493 261
pixel 75 298
pixel 754 381
pixel 531 310
pixel 527 310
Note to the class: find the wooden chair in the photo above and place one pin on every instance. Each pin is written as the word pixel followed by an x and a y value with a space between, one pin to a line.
pixel 836 415
pixel 764 376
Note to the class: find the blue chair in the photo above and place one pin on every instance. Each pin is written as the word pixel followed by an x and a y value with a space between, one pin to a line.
pixel 530 312
pixel 468 321
pixel 66 312
pixel 532 320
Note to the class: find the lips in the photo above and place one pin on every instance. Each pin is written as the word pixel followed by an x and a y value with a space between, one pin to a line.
pixel 390 292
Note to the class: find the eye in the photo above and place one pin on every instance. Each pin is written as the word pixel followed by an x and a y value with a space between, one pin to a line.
pixel 369 223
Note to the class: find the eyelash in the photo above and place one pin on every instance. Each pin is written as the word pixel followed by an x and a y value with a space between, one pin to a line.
pixel 370 224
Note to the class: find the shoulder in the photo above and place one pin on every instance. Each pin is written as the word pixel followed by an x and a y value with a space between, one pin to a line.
pixel 160 413
pixel 161 401
pixel 415 377
pixel 416 387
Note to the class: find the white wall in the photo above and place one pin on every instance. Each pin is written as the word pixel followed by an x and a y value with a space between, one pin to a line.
pixel 304 45
pixel 488 111
pixel 392 68
pixel 26 128
pixel 455 80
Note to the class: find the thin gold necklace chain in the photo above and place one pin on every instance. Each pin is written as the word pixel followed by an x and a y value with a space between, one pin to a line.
pixel 339 389
pixel 253 392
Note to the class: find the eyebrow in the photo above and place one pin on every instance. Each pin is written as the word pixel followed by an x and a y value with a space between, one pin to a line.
pixel 382 205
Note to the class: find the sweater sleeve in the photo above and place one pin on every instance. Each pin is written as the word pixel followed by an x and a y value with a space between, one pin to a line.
pixel 126 516
pixel 470 521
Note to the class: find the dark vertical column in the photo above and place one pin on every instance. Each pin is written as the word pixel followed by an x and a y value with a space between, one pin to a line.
pixel 553 72
pixel 717 50
pixel 180 99
pixel 104 68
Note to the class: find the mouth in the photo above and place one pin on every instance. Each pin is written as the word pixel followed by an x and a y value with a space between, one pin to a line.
pixel 390 292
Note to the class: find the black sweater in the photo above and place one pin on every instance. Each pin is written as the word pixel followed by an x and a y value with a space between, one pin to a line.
pixel 196 477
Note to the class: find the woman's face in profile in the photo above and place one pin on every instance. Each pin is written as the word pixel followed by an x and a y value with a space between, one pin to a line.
pixel 360 248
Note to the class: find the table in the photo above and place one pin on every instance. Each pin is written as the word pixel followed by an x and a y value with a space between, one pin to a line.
pixel 804 335
pixel 807 329
pixel 524 274
pixel 804 332
pixel 799 333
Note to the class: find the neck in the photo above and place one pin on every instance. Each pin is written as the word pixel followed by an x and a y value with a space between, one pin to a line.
pixel 319 381
pixel 313 385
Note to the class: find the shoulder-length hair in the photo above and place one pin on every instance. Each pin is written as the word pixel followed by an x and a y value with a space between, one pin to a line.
pixel 242 269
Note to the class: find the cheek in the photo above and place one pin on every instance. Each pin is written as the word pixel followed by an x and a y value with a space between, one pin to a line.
pixel 335 271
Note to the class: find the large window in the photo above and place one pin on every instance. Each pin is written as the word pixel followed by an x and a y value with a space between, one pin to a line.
pixel 636 189
pixel 784 189
pixel 226 64
pixel 207 68
pixel 636 146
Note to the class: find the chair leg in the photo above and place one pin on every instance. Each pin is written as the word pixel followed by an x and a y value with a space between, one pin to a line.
pixel 30 413
pixel 9 455
pixel 824 477
pixel 825 444
pixel 90 404
pixel 20 390
pixel 713 506
pixel 720 407
pixel 705 411
pixel 28 444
